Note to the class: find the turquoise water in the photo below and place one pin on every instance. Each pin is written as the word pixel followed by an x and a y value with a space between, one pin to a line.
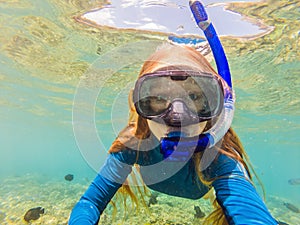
pixel 44 57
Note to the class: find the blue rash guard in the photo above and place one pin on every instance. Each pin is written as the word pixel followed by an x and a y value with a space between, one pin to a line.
pixel 234 191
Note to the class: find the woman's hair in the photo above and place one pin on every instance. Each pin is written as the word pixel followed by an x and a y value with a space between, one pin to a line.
pixel 138 129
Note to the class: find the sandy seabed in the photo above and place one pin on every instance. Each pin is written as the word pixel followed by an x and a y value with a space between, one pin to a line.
pixel 19 194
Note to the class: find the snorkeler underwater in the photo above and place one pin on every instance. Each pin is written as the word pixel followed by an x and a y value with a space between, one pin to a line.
pixel 149 112
pixel 179 137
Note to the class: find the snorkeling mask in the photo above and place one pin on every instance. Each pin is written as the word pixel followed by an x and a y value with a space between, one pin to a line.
pixel 179 98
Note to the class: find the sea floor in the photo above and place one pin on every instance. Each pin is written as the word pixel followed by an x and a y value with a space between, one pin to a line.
pixel 21 193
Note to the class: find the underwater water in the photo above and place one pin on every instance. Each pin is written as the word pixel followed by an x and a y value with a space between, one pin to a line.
pixel 48 78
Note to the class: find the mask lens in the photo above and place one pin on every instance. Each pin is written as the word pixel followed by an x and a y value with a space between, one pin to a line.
pixel 153 105
pixel 204 96
pixel 201 94
pixel 153 98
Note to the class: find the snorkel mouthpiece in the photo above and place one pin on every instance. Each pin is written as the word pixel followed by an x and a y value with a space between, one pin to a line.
pixel 178 148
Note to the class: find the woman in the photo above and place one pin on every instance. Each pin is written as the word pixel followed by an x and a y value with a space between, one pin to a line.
pixel 179 105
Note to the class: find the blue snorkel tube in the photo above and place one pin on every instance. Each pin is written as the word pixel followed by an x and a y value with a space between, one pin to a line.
pixel 207 27
pixel 178 148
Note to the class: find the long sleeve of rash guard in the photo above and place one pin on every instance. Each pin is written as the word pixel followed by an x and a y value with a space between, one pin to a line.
pixel 236 194
pixel 110 178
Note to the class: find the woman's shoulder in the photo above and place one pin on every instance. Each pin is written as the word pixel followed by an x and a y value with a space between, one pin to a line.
pixel 224 165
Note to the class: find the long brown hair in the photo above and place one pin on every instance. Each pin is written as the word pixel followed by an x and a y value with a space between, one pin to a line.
pixel 138 129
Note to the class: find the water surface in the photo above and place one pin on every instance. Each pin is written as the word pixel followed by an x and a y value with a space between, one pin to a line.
pixel 170 17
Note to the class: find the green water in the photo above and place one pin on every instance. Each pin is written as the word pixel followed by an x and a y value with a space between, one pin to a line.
pixel 44 55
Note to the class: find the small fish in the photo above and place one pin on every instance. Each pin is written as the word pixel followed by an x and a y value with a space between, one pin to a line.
pixel 295 181
pixel 291 207
pixel 153 199
pixel 33 214
pixel 69 177
pixel 199 213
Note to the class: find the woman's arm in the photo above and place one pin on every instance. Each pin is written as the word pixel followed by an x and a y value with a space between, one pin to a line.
pixel 110 178
pixel 236 194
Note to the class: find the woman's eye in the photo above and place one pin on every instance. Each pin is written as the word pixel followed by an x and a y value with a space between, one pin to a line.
pixel 193 96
